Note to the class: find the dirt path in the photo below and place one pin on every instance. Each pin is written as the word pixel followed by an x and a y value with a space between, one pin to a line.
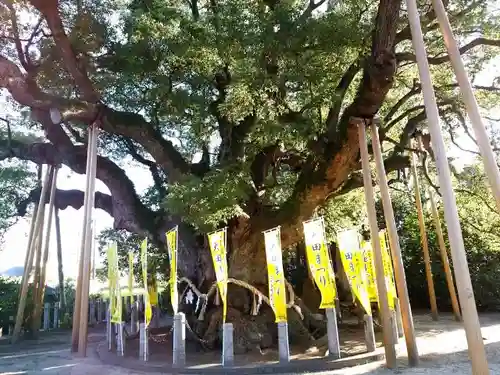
pixel 442 346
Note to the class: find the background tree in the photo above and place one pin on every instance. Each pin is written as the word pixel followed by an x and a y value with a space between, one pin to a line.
pixel 241 110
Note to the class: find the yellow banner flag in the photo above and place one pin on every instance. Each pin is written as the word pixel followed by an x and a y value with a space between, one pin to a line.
pixel 352 260
pixel 218 243
pixel 148 312
pixel 153 292
pixel 319 263
pixel 277 291
pixel 388 274
pixel 172 242
pixel 115 297
pixel 366 246
pixel 131 274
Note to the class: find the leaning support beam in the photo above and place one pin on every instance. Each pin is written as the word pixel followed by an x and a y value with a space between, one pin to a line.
pixel 397 261
pixel 87 244
pixel 464 285
pixel 32 233
pixel 35 324
pixel 388 338
pixel 444 259
pixel 60 272
pixel 489 159
pixel 423 240
pixel 43 271
pixel 442 249
pixel 78 294
pixel 38 217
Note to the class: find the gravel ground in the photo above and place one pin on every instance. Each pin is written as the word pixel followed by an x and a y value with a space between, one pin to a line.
pixel 442 346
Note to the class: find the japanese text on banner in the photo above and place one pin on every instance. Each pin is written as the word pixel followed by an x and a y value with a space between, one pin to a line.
pixel 172 242
pixel 217 241
pixel 319 263
pixel 148 312
pixel 369 270
pixel 352 260
pixel 272 240
pixel 389 278
pixel 115 298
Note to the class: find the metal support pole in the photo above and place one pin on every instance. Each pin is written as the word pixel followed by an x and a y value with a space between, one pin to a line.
pixel 46 316
pixel 120 331
pixel 397 260
pixel 179 345
pixel 464 285
pixel 99 311
pixel 143 342
pixel 92 319
pixel 385 312
pixel 283 343
pixel 332 333
pixel 134 318
pixel 369 334
pixel 227 345
pixel 110 337
pixel 56 315
pixel 482 139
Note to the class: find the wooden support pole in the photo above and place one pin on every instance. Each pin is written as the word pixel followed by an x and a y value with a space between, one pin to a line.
pixel 37 288
pixel 388 337
pixel 482 139
pixel 43 271
pixel 62 295
pixel 30 254
pixel 399 272
pixel 32 233
pixel 89 210
pixel 444 259
pixel 77 306
pixel 31 237
pixel 423 240
pixel 442 249
pixel 475 342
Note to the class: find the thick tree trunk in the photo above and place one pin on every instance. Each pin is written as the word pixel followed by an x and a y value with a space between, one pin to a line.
pixel 251 332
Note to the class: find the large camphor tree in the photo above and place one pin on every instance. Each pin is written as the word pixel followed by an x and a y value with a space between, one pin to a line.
pixel 244 111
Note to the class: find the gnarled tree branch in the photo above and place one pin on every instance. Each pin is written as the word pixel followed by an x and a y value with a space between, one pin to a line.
pixel 127 124
pixel 50 10
pixel 128 211
pixel 65 199
pixel 436 60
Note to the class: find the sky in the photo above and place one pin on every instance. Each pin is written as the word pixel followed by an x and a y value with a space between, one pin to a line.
pixel 15 241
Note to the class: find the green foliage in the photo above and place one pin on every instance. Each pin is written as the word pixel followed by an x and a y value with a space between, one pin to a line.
pixel 483 255
pixel 16 181
pixel 9 295
pixel 131 242
pixel 209 201
pixel 9 291
pixel 344 212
